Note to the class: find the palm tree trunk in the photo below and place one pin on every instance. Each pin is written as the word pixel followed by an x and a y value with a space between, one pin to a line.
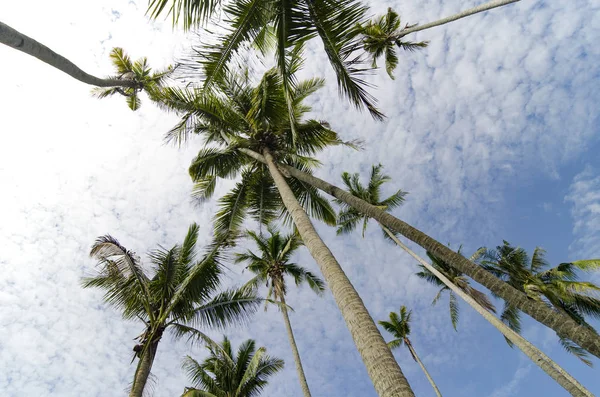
pixel 142 371
pixel 466 13
pixel 563 325
pixel 299 369
pixel 384 371
pixel 413 353
pixel 561 376
pixel 29 46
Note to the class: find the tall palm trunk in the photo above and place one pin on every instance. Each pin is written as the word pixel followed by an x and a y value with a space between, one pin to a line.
pixel 299 369
pixel 384 371
pixel 564 325
pixel 29 46
pixel 142 371
pixel 413 353
pixel 561 376
pixel 466 13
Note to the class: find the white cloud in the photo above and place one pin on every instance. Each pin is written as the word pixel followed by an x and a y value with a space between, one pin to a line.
pixel 494 97
pixel 512 387
pixel 584 197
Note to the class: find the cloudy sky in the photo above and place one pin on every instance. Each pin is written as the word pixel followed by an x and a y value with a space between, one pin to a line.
pixel 492 129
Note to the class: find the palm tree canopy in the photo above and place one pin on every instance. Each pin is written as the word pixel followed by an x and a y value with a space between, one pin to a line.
pixel 398 326
pixel 280 25
pixel 238 116
pixel 225 374
pixel 349 217
pixel 458 279
pixel 382 35
pixel 138 71
pixel 559 286
pixel 181 293
pixel 272 263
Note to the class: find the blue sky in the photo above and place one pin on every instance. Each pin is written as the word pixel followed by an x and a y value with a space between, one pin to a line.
pixel 492 129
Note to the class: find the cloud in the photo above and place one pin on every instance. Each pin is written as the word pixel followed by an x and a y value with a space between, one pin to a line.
pixel 496 98
pixel 512 387
pixel 584 198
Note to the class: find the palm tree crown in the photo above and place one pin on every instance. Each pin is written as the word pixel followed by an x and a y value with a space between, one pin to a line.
pixel 458 279
pixel 382 35
pixel 349 217
pixel 139 72
pixel 272 264
pixel 182 294
pixel 398 326
pixel 225 374
pixel 239 116
pixel 559 287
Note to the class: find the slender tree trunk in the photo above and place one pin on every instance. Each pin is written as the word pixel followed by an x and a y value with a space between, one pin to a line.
pixel 29 46
pixel 143 371
pixel 466 13
pixel 561 376
pixel 563 325
pixel 299 369
pixel 384 371
pixel 413 353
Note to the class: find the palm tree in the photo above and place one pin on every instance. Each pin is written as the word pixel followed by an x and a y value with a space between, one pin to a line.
pixel 440 274
pixel 558 287
pixel 240 120
pixel 399 327
pixel 271 266
pixel 223 374
pixel 381 36
pixel 564 325
pixel 457 278
pixel 21 42
pixel 181 294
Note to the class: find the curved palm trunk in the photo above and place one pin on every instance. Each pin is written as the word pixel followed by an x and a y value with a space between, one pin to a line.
pixel 466 13
pixel 29 46
pixel 561 376
pixel 413 353
pixel 143 371
pixel 299 369
pixel 564 325
pixel 384 371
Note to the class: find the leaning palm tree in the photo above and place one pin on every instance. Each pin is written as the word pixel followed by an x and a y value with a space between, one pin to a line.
pixel 182 294
pixel 128 81
pixel 225 374
pixel 240 120
pixel 399 327
pixel 457 278
pixel 564 325
pixel 271 266
pixel 558 287
pixel 439 273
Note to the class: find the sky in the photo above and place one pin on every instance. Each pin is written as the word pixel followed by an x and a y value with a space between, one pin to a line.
pixel 493 130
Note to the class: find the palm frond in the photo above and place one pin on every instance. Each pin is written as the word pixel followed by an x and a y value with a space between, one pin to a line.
pixel 575 350
pixel 193 13
pixel 227 308
pixel 245 20
pixel 454 309
pixel 233 208
pixel 335 23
